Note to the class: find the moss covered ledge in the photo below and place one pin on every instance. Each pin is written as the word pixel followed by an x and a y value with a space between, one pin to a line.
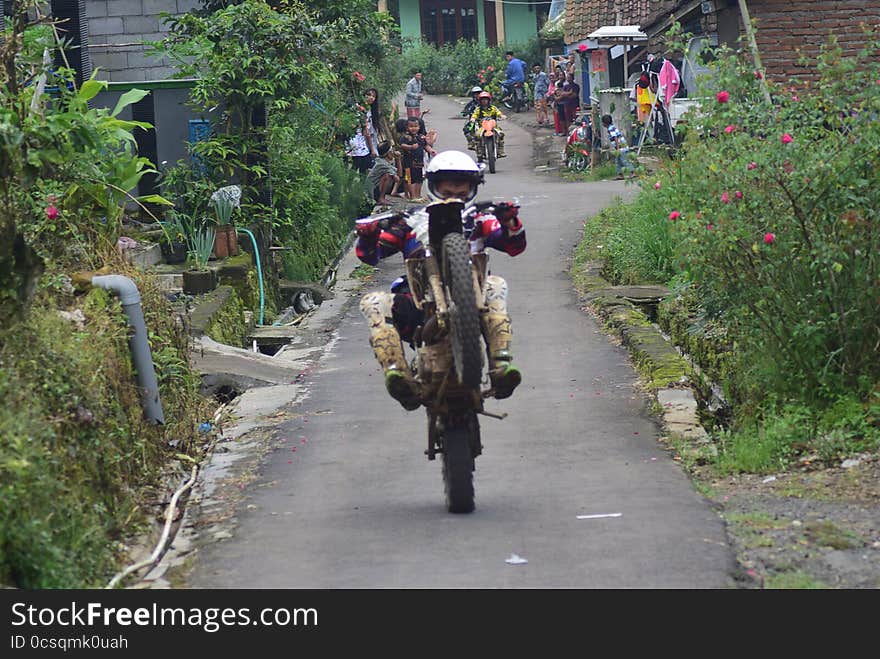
pixel 220 316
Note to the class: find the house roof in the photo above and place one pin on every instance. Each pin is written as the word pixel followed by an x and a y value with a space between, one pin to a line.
pixel 583 17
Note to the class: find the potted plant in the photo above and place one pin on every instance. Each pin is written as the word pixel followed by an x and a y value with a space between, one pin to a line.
pixel 200 279
pixel 225 201
pixel 174 244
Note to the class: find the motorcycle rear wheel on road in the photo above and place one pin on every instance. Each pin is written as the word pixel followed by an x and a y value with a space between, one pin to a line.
pixel 458 440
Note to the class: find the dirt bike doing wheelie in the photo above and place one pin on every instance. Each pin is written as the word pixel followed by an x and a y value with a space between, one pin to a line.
pixel 487 134
pixel 446 283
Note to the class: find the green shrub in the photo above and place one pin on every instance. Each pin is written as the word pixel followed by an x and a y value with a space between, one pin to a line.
pixel 775 211
pixel 455 68
pixel 76 457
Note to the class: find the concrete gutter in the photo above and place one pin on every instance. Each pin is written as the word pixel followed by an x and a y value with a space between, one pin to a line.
pixel 665 372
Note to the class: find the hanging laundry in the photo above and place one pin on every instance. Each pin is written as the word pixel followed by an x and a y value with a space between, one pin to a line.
pixel 670 81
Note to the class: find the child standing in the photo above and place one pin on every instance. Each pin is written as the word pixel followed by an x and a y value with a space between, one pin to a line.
pixel 414 145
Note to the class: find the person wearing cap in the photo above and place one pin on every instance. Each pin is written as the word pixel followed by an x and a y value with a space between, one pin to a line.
pixel 382 175
pixel 450 175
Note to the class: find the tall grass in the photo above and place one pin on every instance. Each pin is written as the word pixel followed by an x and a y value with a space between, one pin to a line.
pixel 638 244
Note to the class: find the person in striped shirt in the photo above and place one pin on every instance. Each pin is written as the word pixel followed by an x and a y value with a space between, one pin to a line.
pixel 618 146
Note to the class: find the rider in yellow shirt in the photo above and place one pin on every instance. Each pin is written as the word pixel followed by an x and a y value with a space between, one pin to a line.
pixel 485 110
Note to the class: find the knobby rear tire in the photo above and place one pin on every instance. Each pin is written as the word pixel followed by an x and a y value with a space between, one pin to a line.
pixel 463 313
pixel 458 466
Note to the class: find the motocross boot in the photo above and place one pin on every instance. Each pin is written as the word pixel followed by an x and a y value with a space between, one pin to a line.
pixel 500 149
pixel 387 346
pixel 505 377
pixel 398 381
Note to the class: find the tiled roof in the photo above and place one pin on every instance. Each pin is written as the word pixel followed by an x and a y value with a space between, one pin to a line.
pixel 585 16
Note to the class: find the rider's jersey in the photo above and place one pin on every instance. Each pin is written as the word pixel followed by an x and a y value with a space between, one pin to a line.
pixel 481 228
pixel 490 112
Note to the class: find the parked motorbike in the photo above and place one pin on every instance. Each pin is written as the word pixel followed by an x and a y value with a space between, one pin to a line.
pixel 446 284
pixel 487 134
pixel 516 100
pixel 578 146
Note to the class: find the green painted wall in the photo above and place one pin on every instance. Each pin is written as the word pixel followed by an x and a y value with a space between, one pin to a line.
pixel 410 20
pixel 481 23
pixel 520 24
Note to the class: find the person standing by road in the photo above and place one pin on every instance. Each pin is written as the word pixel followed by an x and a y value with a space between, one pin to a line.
pixel 377 130
pixel 542 87
pixel 414 94
pixel 558 105
pixel 571 97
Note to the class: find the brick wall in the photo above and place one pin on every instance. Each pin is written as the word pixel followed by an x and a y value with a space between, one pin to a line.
pixel 785 27
pixel 116 28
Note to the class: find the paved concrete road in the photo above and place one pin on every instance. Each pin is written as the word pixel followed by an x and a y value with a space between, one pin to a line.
pixel 358 505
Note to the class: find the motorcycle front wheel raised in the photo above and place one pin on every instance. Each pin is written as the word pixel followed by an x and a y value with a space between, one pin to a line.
pixel 458 464
pixel 467 355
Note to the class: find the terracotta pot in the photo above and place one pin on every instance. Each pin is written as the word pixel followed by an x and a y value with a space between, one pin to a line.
pixel 197 282
pixel 221 244
pixel 225 242
pixel 232 239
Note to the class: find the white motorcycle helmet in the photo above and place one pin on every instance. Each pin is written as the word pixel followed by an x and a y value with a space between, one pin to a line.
pixel 453 164
pixel 476 90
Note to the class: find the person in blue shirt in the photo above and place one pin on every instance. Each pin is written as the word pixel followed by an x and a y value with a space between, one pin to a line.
pixel 515 72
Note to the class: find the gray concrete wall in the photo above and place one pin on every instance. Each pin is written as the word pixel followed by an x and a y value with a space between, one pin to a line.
pixel 117 29
pixel 172 122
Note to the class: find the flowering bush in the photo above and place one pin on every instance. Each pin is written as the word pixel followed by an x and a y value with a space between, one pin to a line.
pixel 791 193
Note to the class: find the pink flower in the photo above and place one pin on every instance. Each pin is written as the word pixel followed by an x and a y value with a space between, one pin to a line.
pixel 786 138
pixel 758 75
pixel 657 185
pixel 730 128
pixel 709 227
pixel 722 96
pixel 360 77
pixel 51 212
pixel 582 47
pixel 725 198
pixel 490 68
pixel 674 215
pixel 752 165
pixel 769 238
pixel 738 194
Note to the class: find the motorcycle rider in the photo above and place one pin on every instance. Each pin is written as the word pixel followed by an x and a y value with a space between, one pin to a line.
pixel 468 110
pixel 487 111
pixel 450 175
pixel 515 73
